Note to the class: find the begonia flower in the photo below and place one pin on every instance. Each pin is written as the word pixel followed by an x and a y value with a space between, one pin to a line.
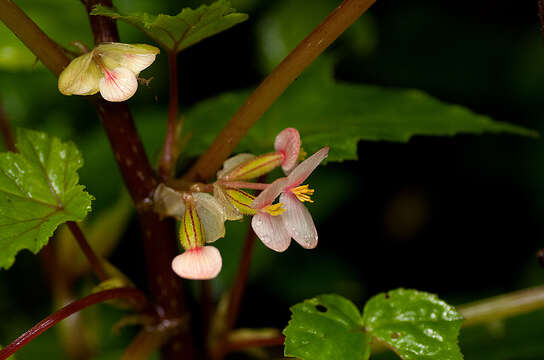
pixel 276 224
pixel 111 68
pixel 198 262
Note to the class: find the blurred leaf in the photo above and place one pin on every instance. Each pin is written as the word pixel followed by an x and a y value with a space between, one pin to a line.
pixel 287 23
pixel 13 53
pixel 339 115
pixel 187 28
pixel 38 191
pixel 326 327
pixel 417 325
pixel 103 234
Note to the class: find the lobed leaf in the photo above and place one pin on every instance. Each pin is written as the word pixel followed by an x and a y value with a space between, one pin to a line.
pixel 187 28
pixel 39 190
pixel 416 325
pixel 326 327
pixel 340 114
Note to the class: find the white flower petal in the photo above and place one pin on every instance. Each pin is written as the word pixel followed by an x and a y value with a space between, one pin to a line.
pixel 231 163
pixel 135 57
pixel 305 168
pixel 81 77
pixel 298 222
pixel 118 84
pixel 288 143
pixel 268 195
pixel 201 263
pixel 231 212
pixel 211 214
pixel 271 231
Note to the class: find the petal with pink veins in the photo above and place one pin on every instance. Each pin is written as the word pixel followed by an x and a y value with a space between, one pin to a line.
pixel 200 263
pixel 268 195
pixel 305 168
pixel 298 221
pixel 135 57
pixel 118 85
pixel 288 143
pixel 271 231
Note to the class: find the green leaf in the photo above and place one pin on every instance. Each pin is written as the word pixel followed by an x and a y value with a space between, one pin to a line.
pixel 38 191
pixel 415 324
pixel 190 26
pixel 340 114
pixel 326 327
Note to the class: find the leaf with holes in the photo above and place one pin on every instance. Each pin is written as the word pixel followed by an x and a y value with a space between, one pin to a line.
pixel 175 33
pixel 326 327
pixel 416 325
pixel 38 191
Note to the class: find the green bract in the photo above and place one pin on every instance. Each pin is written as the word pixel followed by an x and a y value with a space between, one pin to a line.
pixel 324 328
pixel 415 324
pixel 38 191
pixel 340 114
pixel 190 26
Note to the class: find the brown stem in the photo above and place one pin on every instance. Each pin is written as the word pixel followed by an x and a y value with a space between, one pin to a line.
pixel 7 133
pixel 93 259
pixel 274 85
pixel 47 51
pixel 237 345
pixel 120 293
pixel 169 150
pixel 241 280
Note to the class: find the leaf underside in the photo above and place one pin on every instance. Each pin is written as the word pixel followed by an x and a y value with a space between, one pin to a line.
pixel 38 191
pixel 339 114
pixel 175 33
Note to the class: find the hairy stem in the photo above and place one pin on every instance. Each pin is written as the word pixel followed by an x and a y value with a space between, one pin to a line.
pixel 169 150
pixel 503 306
pixel 274 85
pixel 91 256
pixel 132 294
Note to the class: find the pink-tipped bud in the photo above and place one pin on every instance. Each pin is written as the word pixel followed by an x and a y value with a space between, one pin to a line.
pixel 288 143
pixel 199 263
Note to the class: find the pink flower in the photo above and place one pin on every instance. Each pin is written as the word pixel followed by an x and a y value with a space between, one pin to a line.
pixel 276 224
pixel 198 263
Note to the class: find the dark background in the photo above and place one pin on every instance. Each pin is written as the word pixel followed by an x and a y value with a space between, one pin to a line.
pixel 457 216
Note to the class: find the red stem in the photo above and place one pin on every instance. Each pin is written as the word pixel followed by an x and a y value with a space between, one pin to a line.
pixel 127 293
pixel 6 131
pixel 93 259
pixel 169 150
pixel 244 185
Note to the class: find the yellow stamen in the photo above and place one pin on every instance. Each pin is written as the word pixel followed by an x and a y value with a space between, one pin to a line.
pixel 302 154
pixel 303 193
pixel 275 209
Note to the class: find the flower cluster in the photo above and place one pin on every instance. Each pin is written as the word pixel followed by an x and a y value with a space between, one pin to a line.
pixel 202 216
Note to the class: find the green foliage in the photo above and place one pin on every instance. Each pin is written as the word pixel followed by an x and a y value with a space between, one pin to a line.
pixel 38 191
pixel 415 324
pixel 13 53
pixel 175 33
pixel 326 327
pixel 340 114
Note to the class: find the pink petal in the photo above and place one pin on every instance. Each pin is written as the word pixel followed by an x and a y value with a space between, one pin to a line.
pixel 268 195
pixel 200 263
pixel 118 85
pixel 305 168
pixel 298 221
pixel 271 231
pixel 288 143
